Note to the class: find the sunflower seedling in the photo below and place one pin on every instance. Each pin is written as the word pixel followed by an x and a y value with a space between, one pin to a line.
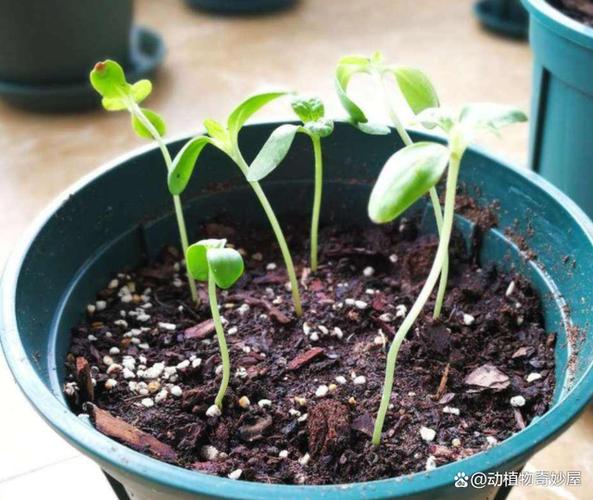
pixel 407 176
pixel 212 262
pixel 109 80
pixel 312 113
pixel 418 92
pixel 225 138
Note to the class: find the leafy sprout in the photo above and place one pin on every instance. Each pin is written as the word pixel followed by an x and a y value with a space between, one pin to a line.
pixel 211 261
pixel 109 80
pixel 418 92
pixel 406 177
pixel 226 139
pixel 311 112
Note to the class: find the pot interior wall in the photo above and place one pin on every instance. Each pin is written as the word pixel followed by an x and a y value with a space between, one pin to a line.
pixel 125 215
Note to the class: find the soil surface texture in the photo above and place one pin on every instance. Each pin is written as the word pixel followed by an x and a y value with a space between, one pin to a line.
pixel 304 391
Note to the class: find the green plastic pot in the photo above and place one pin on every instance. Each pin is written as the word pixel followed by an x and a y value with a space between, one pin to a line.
pixel 504 17
pixel 240 6
pixel 57 41
pixel 561 148
pixel 121 214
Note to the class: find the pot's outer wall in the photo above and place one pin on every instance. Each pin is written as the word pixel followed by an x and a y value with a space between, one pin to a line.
pixel 58 41
pixel 561 148
pixel 123 211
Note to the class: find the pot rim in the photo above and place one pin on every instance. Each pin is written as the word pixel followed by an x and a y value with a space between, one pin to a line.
pixel 129 462
pixel 559 23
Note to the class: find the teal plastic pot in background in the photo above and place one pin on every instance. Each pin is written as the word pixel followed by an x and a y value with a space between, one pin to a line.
pixel 240 6
pixel 47 49
pixel 561 142
pixel 121 214
pixel 505 17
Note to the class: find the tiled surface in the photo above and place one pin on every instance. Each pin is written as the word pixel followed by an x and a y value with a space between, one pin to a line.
pixel 212 63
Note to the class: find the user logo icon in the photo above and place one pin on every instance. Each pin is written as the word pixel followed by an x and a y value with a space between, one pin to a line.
pixel 461 480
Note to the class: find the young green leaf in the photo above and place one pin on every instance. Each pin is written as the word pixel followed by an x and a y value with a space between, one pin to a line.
pixel 226 266
pixel 141 90
pixel 372 128
pixel 272 152
pixel 490 116
pixel 217 131
pixel 109 80
pixel 416 88
pixel 196 258
pixel 308 109
pixel 437 117
pixel 154 118
pixel 184 163
pixel 344 72
pixel 405 178
pixel 246 109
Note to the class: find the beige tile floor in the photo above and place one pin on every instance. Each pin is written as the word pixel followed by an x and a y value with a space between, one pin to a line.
pixel 213 62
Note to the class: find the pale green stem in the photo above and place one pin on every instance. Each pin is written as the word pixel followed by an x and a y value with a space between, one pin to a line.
pixel 224 351
pixel 136 111
pixel 434 197
pixel 261 196
pixel 316 199
pixel 424 295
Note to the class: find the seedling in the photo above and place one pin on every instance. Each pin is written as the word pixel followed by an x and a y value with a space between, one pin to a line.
pixel 407 176
pixel 312 113
pixel 225 138
pixel 109 80
pixel 210 261
pixel 418 92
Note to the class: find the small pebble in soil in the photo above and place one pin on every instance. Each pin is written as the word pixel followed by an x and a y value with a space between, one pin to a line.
pixel 400 311
pixel 360 304
pixel 532 377
pixel 114 351
pixel 456 442
pixel 337 332
pixel 427 434
pixel 304 460
pixel 303 417
pixel 168 326
pixel 271 266
pixel 321 391
pixel 491 440
pixel 468 319
pixel 263 403
pixel 176 391
pixel 359 380
pixel 393 258
pixel 244 402
pixel 110 383
pixel 90 308
pixel 510 289
pixel 213 411
pixel 283 454
pixel 368 271
pixel 100 305
pixel 386 317
pixel 147 402
pixel 161 396
pixel 341 379
pixel 300 401
pixel 116 368
pixel 431 463
pixel 92 338
pixel 209 452
pixel 517 401
pixel 451 410
pixel 236 474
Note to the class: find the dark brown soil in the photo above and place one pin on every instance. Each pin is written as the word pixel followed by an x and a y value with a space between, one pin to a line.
pixel 313 385
pixel 579 10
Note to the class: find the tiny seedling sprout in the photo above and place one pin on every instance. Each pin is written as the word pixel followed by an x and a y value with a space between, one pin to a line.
pixel 406 177
pixel 312 113
pixel 226 139
pixel 109 80
pixel 418 92
pixel 211 261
